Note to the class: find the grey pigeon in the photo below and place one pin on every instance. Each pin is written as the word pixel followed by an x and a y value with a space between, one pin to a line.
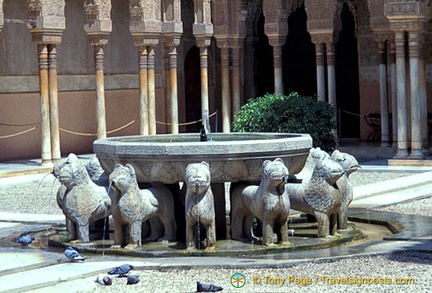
pixel 73 255
pixel 24 239
pixel 208 288
pixel 104 280
pixel 121 271
pixel 132 280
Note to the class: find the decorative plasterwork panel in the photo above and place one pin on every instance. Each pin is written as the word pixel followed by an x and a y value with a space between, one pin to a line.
pixel 98 16
pixel 145 17
pixel 368 74
pixel 48 15
pixel 171 16
pixel 378 21
pixel 203 27
pixel 407 14
pixel 324 18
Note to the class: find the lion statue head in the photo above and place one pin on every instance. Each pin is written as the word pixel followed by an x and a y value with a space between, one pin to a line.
pixel 198 177
pixel 347 161
pixel 70 171
pixel 275 174
pixel 122 178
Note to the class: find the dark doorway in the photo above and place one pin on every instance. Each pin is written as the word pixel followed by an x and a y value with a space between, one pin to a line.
pixel 193 89
pixel 299 67
pixel 347 77
pixel 264 75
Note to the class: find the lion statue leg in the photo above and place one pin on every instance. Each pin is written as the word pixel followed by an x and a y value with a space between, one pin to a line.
pixel 134 235
pixel 211 234
pixel 333 223
pixel 169 226
pixel 156 229
pixel 83 229
pixel 283 233
pixel 267 231
pixel 323 224
pixel 190 241
pixel 343 216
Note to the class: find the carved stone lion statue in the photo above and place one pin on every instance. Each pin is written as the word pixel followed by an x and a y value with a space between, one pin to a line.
pixel 349 165
pixel 199 205
pixel 132 206
pixel 269 202
pixel 80 199
pixel 318 194
pixel 97 174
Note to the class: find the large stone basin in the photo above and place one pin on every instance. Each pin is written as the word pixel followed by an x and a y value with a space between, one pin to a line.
pixel 232 156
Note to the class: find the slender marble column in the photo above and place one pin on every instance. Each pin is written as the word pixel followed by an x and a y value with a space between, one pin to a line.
pixel 236 92
pixel 319 52
pixel 53 96
pixel 204 81
pixel 100 91
pixel 143 91
pixel 44 105
pixel 167 86
pixel 423 98
pixel 151 90
pixel 402 150
pixel 392 64
pixel 423 107
pixel 226 99
pixel 331 74
pixel 173 90
pixel 385 139
pixel 416 139
pixel 277 62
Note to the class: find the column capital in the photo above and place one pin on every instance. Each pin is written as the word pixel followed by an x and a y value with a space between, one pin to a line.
pixel 98 39
pixel 407 15
pixel 146 39
pixel 384 36
pixel 145 18
pixel 98 16
pixel 48 20
pixel 323 38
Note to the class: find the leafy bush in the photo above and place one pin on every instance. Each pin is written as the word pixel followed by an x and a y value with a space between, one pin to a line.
pixel 292 113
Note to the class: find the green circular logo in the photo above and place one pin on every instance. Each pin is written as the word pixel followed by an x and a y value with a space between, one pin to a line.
pixel 238 280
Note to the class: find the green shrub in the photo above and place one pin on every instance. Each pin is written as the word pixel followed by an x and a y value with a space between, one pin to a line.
pixel 292 113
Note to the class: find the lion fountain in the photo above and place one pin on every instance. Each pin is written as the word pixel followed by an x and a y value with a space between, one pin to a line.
pixel 199 206
pixel 269 202
pixel 132 206
pixel 318 194
pixel 81 200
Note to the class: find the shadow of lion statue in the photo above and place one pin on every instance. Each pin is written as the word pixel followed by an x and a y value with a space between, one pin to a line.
pixel 269 202
pixel 132 206
pixel 199 206
pixel 80 199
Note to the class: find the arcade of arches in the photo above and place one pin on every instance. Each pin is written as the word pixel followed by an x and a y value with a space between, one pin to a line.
pixel 73 71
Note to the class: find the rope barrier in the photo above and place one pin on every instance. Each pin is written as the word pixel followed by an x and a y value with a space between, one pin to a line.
pixel 355 114
pixel 30 124
pixel 88 134
pixel 185 123
pixel 18 133
pixel 95 134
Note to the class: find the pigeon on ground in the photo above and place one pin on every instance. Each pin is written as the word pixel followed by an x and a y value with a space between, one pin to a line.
pixel 121 271
pixel 132 280
pixel 208 288
pixel 24 239
pixel 73 255
pixel 104 280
